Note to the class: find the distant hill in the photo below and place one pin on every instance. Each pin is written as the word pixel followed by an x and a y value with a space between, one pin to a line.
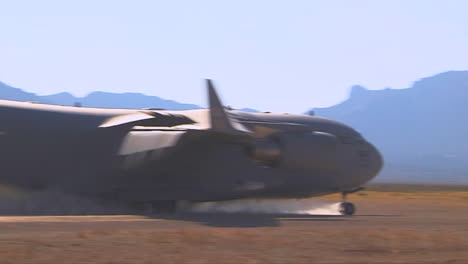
pixel 422 131
pixel 11 93
pixel 96 99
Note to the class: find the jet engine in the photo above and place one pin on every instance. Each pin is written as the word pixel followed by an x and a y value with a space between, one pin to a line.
pixel 266 151
pixel 276 145
pixel 295 151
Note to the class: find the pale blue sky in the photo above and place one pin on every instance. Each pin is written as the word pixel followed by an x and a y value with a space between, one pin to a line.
pixel 281 56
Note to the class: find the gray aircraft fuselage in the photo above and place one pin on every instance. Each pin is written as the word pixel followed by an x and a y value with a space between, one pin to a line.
pixel 68 148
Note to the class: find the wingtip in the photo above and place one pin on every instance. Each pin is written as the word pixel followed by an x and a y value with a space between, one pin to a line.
pixel 211 90
pixel 218 116
pixel 209 83
pixel 213 96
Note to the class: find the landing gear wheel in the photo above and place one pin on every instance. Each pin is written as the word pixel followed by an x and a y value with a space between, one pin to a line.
pixel 347 208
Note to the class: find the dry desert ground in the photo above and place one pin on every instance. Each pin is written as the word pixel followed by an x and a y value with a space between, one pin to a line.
pixel 394 224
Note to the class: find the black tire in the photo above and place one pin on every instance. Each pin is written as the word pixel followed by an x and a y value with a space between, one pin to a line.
pixel 347 208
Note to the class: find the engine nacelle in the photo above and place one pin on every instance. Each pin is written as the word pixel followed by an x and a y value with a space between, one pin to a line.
pixel 266 152
pixel 296 151
pixel 316 150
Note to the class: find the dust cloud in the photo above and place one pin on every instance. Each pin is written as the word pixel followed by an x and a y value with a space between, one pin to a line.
pixel 268 206
pixel 55 202
pixel 51 202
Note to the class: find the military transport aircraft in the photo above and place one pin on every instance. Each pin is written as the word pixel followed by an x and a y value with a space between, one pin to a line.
pixel 160 157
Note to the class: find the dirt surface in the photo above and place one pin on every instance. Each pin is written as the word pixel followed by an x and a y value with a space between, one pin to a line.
pixel 390 227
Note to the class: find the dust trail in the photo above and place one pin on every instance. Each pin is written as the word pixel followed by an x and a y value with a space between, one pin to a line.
pixel 270 206
pixel 55 202
pixel 50 202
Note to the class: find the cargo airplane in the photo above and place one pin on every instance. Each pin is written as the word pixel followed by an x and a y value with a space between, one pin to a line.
pixel 159 157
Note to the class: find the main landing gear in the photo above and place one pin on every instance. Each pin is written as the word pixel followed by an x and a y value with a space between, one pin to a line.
pixel 345 207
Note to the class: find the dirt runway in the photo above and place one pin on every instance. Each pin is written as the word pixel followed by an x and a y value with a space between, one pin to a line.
pixel 391 227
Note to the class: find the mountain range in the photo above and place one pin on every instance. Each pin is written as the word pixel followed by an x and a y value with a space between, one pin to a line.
pixel 421 131
pixel 95 99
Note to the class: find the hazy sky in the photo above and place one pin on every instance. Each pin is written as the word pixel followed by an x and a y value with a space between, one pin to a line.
pixel 281 56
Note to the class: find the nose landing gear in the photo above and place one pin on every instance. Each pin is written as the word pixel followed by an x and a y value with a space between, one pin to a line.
pixel 348 208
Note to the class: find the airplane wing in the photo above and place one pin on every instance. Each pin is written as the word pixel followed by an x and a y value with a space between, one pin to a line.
pixel 150 133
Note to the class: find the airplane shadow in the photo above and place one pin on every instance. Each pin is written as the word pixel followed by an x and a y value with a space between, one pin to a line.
pixel 246 220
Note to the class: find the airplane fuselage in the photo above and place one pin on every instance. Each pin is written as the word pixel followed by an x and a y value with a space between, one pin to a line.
pixel 45 146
